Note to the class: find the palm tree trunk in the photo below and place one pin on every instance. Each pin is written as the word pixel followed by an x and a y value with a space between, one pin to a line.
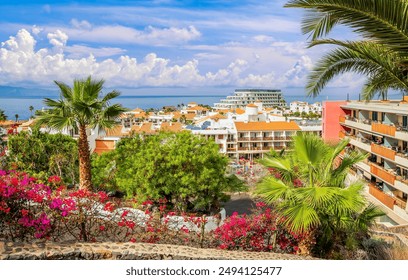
pixel 85 177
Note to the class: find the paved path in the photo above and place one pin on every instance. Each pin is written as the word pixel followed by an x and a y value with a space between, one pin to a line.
pixel 241 203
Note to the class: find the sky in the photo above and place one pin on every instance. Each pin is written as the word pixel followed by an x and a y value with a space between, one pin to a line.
pixel 187 45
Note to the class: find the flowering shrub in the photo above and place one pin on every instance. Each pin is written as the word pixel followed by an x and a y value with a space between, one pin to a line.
pixel 31 210
pixel 260 231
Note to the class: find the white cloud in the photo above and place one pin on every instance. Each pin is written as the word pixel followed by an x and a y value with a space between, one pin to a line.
pixel 85 32
pixel 21 62
pixel 83 24
pixel 58 39
pixel 296 76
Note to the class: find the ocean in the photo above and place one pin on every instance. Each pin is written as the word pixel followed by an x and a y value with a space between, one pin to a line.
pixel 19 104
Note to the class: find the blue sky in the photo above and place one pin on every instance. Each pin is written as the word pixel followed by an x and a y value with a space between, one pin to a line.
pixel 159 44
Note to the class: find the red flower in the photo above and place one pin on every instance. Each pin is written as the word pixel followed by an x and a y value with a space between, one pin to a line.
pixel 101 228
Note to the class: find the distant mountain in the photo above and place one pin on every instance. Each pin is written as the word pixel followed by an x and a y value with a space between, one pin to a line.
pixel 20 92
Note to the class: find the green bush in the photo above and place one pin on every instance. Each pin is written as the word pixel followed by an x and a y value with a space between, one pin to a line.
pixel 185 169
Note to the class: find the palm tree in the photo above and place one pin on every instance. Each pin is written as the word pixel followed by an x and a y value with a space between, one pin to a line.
pixel 16 116
pixel 382 56
pixel 3 115
pixel 31 108
pixel 310 193
pixel 81 107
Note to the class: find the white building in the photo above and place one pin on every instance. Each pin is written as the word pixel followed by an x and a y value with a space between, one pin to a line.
pixel 302 106
pixel 242 97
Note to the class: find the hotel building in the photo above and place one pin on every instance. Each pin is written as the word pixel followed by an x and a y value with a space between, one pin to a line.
pixel 380 130
pixel 242 97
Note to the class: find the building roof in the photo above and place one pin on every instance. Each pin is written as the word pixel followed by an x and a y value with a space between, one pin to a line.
pixel 190 116
pixel 215 117
pixel 266 126
pixel 145 127
pixel 7 123
pixel 171 126
pixel 252 105
pixel 115 131
pixel 240 111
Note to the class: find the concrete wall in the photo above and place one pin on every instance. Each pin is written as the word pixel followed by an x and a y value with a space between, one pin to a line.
pixel 330 120
pixel 127 251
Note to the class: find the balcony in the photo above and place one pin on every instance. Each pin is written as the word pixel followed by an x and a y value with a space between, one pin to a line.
pixel 384 198
pixel 383 151
pixel 243 139
pixel 382 174
pixel 383 128
pixel 359 124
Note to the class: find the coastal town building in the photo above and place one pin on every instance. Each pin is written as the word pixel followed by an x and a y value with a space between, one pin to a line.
pixel 305 107
pixel 242 97
pixel 378 129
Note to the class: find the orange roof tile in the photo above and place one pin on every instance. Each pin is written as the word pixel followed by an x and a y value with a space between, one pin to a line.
pixel 6 123
pixel 223 111
pixel 115 131
pixel 252 105
pixel 171 126
pixel 266 126
pixel 239 111
pixel 146 127
pixel 190 116
pixel 197 108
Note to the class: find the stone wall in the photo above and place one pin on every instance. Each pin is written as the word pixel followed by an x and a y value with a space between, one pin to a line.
pixel 126 251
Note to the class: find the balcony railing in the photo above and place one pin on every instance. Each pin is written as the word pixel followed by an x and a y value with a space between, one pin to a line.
pixel 383 128
pixel 400 202
pixel 243 138
pixel 385 199
pixel 382 174
pixel 383 151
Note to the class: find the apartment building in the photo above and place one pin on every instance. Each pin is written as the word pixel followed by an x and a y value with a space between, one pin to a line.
pixel 302 106
pixel 242 97
pixel 380 130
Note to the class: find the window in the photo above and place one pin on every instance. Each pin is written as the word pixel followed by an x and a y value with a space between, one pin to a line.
pixel 375 116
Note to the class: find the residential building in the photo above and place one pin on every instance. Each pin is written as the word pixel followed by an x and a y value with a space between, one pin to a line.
pixel 380 130
pixel 242 97
pixel 305 107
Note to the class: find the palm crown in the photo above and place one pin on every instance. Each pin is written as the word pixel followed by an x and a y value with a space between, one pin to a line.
pixel 383 53
pixel 80 107
pixel 310 192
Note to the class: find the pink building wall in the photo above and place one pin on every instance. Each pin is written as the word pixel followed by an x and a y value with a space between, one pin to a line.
pixel 330 120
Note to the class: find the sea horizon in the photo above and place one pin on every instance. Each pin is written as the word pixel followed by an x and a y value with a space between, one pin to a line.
pixel 19 104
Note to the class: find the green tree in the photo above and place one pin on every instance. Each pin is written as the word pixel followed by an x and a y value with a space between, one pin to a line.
pixel 81 107
pixel 44 154
pixel 309 190
pixel 382 56
pixel 3 116
pixel 185 169
pixel 31 108
pixel 16 116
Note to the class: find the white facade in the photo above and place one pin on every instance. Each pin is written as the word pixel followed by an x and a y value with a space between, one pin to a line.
pixel 301 106
pixel 242 97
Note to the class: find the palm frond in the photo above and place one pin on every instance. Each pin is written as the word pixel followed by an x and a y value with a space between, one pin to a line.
pixel 380 20
pixel 301 217
pixel 361 57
